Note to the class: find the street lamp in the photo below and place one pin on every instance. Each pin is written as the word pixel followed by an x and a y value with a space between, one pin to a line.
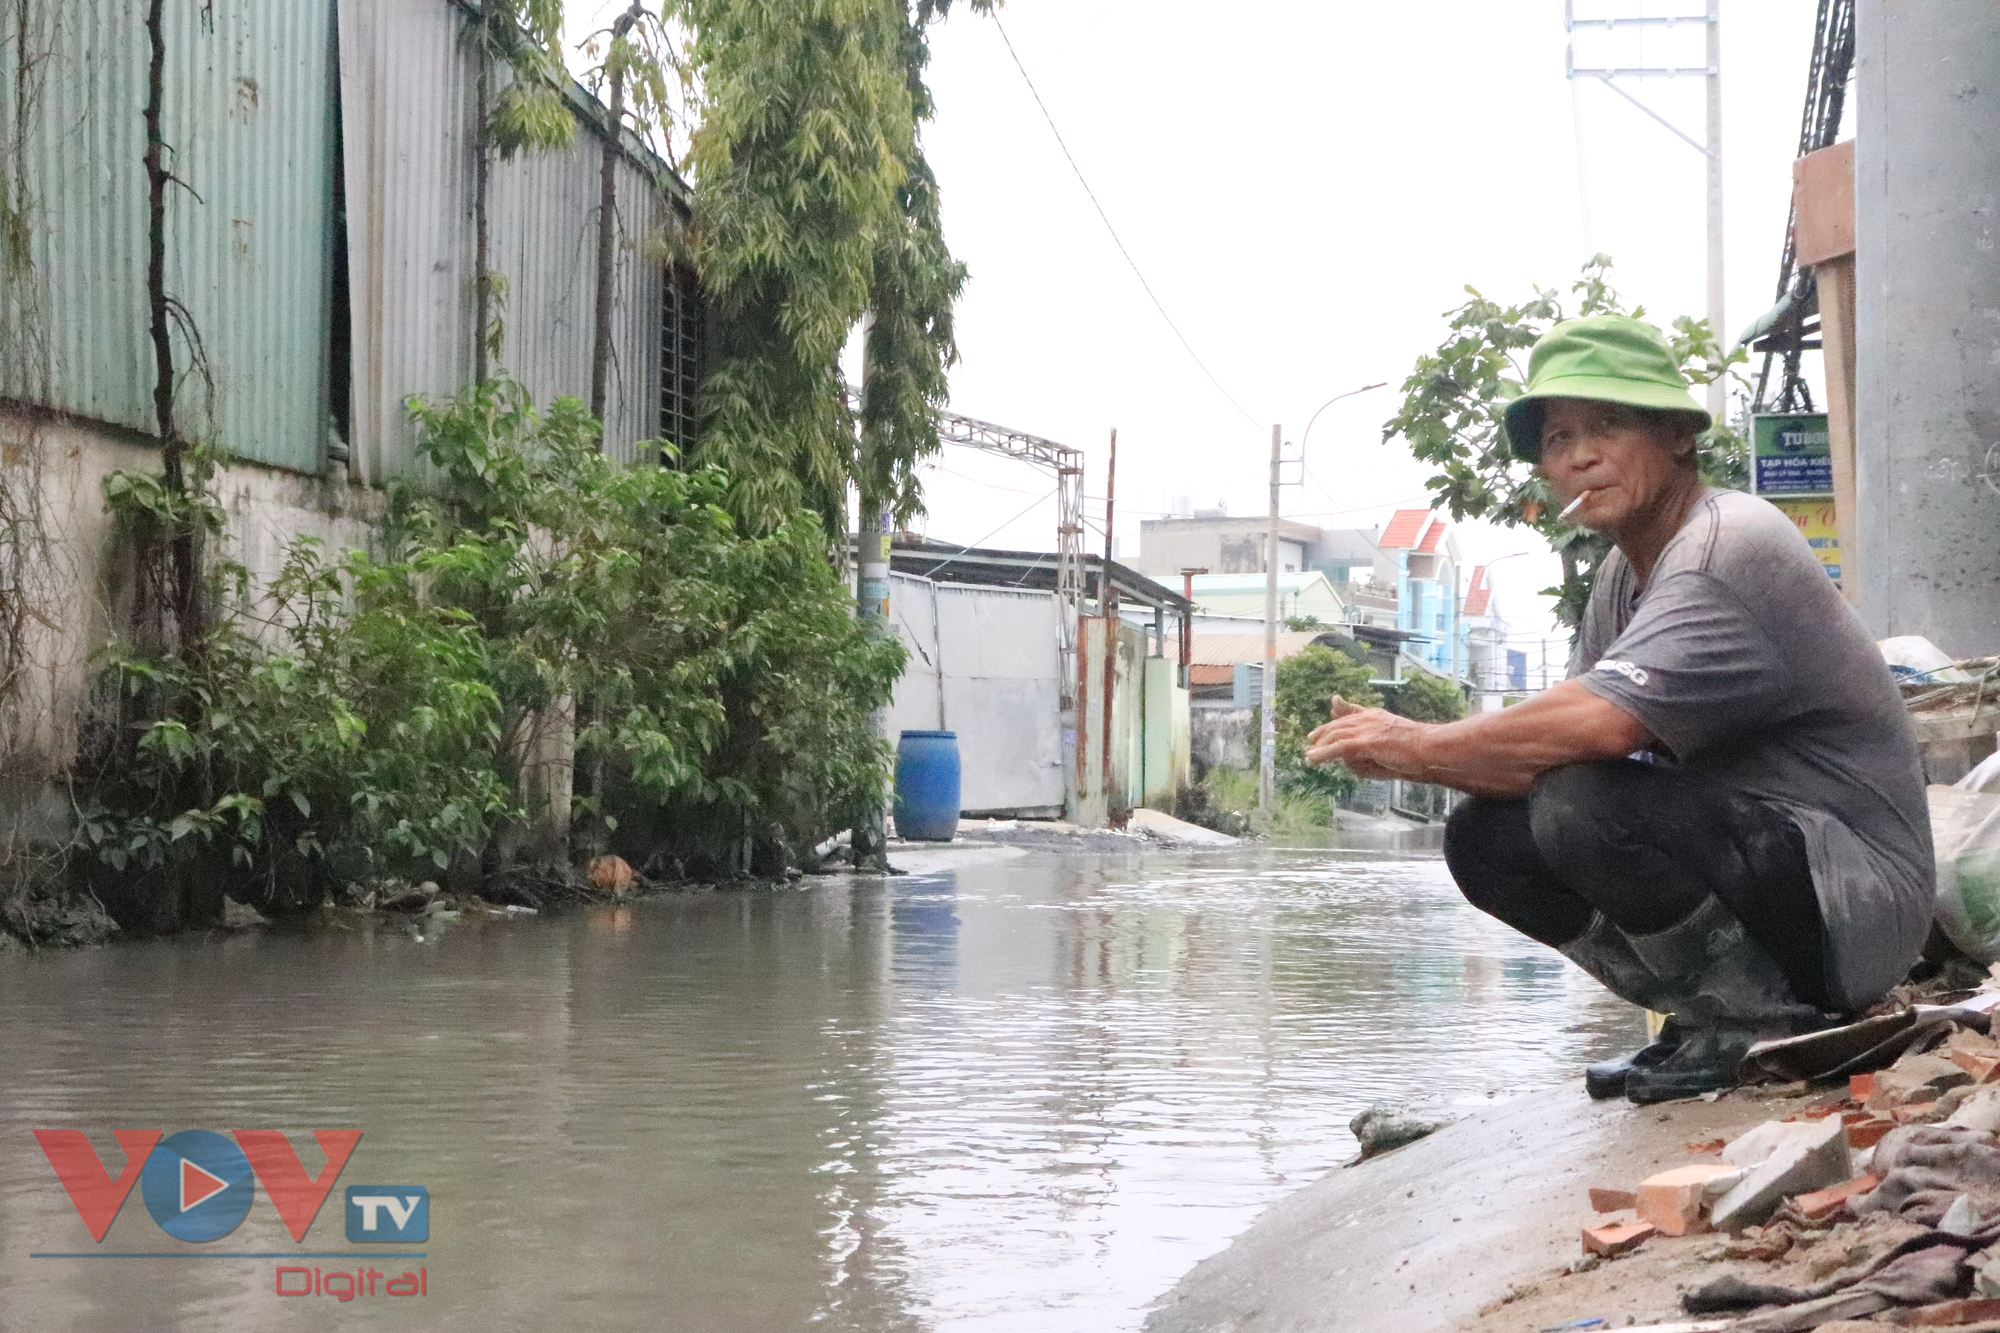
pixel 1267 761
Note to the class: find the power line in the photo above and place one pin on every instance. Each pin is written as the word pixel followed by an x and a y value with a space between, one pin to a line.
pixel 1115 240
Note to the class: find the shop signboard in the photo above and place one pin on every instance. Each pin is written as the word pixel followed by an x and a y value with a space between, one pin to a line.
pixel 1790 455
pixel 1815 521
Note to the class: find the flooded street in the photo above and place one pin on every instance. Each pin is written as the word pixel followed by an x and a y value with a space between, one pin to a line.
pixel 1017 1090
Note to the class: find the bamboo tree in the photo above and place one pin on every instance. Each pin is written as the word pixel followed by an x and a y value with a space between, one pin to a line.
pixel 813 207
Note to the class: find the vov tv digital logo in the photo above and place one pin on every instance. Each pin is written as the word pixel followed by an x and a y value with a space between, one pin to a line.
pixel 197 1184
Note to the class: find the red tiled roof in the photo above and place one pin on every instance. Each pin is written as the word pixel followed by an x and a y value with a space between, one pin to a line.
pixel 1480 596
pixel 1433 537
pixel 1204 673
pixel 1404 529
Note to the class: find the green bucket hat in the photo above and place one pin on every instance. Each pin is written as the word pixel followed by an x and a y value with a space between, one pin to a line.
pixel 1607 358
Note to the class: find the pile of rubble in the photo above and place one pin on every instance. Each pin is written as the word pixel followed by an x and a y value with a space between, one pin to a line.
pixel 1876 1203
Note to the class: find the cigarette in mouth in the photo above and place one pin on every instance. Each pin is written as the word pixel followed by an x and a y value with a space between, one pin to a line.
pixel 1571 507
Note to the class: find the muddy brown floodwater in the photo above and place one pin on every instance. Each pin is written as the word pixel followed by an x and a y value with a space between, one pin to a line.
pixel 1017 1090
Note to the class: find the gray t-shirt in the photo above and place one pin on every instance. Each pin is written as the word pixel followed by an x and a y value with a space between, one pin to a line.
pixel 1740 657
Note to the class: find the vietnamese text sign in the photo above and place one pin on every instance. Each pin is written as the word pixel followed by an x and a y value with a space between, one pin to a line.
pixel 1815 522
pixel 1789 454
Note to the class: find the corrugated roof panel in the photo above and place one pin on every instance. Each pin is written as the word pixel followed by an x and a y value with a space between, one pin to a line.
pixel 245 114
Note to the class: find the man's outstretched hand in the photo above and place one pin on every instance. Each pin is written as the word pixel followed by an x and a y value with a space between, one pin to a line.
pixel 1373 742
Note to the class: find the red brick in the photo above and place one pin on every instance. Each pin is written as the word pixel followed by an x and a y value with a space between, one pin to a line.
pixel 1673 1200
pixel 1621 1239
pixel 1706 1145
pixel 1860 1086
pixel 1820 1203
pixel 1867 1133
pixel 1610 1201
pixel 1976 1063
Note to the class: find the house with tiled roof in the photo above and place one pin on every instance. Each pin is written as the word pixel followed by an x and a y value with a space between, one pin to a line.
pixel 1424 561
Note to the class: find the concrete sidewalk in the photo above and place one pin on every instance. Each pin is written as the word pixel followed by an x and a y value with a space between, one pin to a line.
pixel 1418 1240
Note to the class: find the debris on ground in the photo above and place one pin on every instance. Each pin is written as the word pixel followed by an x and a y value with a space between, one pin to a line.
pixel 1384 1126
pixel 1870 1199
pixel 241 916
pixel 1164 828
pixel 612 874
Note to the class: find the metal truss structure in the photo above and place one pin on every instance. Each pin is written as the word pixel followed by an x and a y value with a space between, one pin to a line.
pixel 1786 332
pixel 1065 464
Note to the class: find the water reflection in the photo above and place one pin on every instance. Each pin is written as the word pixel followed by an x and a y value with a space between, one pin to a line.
pixel 1026 1092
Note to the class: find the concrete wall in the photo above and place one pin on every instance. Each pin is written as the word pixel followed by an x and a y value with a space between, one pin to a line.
pixel 1221 738
pixel 1168 738
pixel 1927 321
pixel 983 663
pixel 60 561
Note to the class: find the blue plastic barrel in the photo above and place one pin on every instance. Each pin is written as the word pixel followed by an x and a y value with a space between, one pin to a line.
pixel 927 785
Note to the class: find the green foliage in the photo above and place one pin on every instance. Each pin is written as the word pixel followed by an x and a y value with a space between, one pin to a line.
pixel 638 52
pixel 1308 681
pixel 1226 801
pixel 814 208
pixel 531 111
pixel 376 714
pixel 1305 624
pixel 1455 395
pixel 1426 698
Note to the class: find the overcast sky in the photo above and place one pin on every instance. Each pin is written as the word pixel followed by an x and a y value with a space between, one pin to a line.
pixel 1307 186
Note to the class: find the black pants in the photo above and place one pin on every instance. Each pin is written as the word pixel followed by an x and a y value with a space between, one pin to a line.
pixel 1644 844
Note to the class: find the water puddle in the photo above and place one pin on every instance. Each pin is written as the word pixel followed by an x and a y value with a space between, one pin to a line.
pixel 1016 1091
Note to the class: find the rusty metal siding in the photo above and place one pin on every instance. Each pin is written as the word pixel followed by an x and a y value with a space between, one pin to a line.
pixel 407 112
pixel 246 114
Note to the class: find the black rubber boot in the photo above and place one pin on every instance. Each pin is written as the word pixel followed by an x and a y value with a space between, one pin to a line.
pixel 1606 1078
pixel 1735 997
pixel 1604 952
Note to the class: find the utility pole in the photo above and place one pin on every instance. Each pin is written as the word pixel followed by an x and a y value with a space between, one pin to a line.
pixel 871 842
pixel 871 595
pixel 1267 750
pixel 1107 598
pixel 1711 72
pixel 1187 625
pixel 1717 389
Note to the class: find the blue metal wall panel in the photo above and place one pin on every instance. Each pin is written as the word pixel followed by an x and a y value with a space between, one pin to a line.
pixel 246 116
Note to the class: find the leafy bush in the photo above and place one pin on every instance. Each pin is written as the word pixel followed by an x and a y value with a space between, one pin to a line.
pixel 380 714
pixel 1455 398
pixel 1426 698
pixel 1307 683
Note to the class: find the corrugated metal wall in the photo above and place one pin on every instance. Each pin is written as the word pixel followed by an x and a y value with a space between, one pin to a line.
pixel 407 102
pixel 983 664
pixel 406 129
pixel 246 113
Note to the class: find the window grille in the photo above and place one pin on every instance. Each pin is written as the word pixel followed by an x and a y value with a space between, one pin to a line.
pixel 681 345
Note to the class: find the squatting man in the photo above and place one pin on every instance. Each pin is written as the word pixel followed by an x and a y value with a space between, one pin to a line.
pixel 1720 813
